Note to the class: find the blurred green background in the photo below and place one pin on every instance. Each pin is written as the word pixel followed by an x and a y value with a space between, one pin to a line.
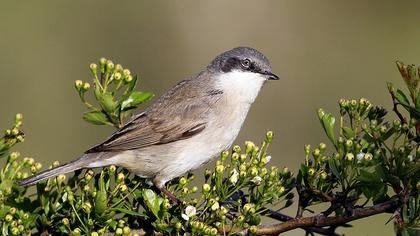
pixel 322 50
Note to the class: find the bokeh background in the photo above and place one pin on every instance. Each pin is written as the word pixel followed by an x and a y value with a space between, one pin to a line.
pixel 322 50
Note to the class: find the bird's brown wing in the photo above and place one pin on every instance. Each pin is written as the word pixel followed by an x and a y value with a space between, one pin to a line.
pixel 179 114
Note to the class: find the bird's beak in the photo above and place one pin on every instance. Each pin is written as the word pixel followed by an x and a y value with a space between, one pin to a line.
pixel 270 76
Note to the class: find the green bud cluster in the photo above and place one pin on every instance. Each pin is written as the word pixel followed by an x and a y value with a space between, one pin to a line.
pixel 114 91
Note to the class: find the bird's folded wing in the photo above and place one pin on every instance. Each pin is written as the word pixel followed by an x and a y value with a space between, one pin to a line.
pixel 163 123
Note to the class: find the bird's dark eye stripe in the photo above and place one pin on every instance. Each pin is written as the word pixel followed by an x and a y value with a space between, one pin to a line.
pixel 230 64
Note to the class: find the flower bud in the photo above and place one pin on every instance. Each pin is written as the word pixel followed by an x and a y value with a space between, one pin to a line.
pixel 87 207
pixel 55 163
pixel 65 221
pixel 249 146
pixel 206 187
pixel 397 124
pixel 235 156
pixel 110 65
pixel 323 175
pixel 120 177
pixel 281 190
pixel 263 172
pixel 112 169
pixel 117 76
pixel 14 231
pixel 383 129
pixel 269 136
pixel 123 188
pixel 253 171
pixel 8 218
pixel 220 169
pixel 322 147
pixel 61 178
pixel 78 84
pixel 253 229
pixel 349 156
pixel 12 210
pixel 243 157
pixel 311 171
pixel 224 155
pixel 77 232
pixel 215 206
pixel 14 156
pixel 316 152
pixel 93 67
pixel 38 166
pixel 126 72
pixel 126 230
pixel 368 156
pixel 236 149
pixel 194 189
pixel 128 78
pixel 86 86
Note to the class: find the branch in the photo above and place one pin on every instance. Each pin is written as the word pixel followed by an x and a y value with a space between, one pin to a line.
pixel 282 217
pixel 322 221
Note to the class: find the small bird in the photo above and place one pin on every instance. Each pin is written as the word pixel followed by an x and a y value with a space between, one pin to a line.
pixel 185 128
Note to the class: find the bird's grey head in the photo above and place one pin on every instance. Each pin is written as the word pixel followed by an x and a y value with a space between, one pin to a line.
pixel 243 59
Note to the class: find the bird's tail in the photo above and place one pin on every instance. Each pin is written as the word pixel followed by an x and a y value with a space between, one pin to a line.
pixel 84 161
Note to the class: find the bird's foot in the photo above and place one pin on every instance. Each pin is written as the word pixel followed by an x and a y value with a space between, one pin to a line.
pixel 169 195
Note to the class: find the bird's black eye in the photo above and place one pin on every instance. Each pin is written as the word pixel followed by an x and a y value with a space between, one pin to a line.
pixel 246 63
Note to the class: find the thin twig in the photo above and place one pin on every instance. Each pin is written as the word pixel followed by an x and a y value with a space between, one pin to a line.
pixel 322 221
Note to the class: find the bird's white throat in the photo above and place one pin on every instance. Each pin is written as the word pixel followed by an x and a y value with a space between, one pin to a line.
pixel 243 85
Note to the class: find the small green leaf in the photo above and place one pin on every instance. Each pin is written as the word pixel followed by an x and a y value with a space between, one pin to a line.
pixel 328 122
pixel 152 201
pixel 348 132
pixel 368 177
pixel 333 166
pixel 400 96
pixel 101 197
pixel 135 99
pixel 96 118
pixel 107 101
pixel 418 100
pixel 130 88
pixel 128 212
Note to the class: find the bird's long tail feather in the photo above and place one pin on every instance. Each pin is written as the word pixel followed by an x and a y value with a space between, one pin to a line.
pixel 62 169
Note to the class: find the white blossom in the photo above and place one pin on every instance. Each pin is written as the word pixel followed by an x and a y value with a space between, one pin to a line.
pixel 360 156
pixel 268 158
pixel 190 211
pixel 234 176
pixel 257 180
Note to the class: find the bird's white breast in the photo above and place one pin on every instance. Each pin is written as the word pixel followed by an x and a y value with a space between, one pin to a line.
pixel 239 91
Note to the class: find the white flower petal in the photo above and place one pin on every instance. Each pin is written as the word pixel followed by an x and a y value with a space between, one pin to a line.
pixel 185 217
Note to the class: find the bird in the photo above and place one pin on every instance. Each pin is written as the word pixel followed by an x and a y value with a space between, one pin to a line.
pixel 188 126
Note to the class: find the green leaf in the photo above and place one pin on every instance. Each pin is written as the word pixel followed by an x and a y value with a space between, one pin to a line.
pixel 400 96
pixel 152 201
pixel 107 101
pixel 131 85
pixel 418 100
pixel 128 212
pixel 135 99
pixel 96 118
pixel 101 201
pixel 368 177
pixel 328 122
pixel 333 166
pixel 348 132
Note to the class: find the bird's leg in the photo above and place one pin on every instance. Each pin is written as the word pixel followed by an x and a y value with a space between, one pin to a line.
pixel 168 194
pixel 160 184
